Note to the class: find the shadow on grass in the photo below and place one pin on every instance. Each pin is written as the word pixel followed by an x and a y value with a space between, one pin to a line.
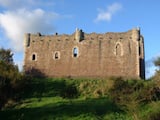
pixel 43 87
pixel 37 85
pixel 64 110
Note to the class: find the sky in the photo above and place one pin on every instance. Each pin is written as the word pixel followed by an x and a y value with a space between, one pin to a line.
pixel 18 17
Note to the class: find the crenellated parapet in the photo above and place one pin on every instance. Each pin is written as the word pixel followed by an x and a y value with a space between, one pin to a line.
pixel 79 35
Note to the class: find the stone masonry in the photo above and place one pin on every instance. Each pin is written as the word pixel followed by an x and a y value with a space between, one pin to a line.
pixel 85 55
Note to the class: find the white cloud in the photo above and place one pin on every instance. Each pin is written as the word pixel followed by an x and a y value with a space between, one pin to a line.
pixel 106 15
pixel 16 23
pixel 150 67
pixel 21 16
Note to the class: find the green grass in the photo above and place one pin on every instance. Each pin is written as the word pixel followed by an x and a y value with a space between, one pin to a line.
pixel 71 99
pixel 58 108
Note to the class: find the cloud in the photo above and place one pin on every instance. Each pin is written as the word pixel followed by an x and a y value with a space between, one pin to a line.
pixel 16 23
pixel 150 67
pixel 22 16
pixel 106 15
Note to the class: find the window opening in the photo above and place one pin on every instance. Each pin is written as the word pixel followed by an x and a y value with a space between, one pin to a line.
pixel 118 50
pixel 56 55
pixel 75 52
pixel 33 57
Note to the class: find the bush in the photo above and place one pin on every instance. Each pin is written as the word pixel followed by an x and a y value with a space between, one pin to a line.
pixel 130 94
pixel 69 91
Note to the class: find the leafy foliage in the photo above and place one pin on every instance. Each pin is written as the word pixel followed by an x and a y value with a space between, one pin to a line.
pixel 9 76
pixel 131 94
pixel 6 56
pixel 69 91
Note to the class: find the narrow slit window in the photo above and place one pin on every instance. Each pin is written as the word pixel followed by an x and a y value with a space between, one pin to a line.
pixel 33 57
pixel 118 50
pixel 75 52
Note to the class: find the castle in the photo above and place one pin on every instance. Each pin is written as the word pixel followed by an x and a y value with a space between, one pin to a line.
pixel 85 55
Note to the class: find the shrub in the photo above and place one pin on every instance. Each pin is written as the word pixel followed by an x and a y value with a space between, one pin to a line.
pixel 130 94
pixel 69 91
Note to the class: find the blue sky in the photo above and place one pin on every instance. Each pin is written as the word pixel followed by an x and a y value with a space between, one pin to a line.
pixel 63 16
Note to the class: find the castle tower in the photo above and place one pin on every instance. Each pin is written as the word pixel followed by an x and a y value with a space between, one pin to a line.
pixel 142 57
pixel 139 40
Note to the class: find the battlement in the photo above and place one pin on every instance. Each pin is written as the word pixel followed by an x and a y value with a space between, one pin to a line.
pixel 80 36
pixel 97 55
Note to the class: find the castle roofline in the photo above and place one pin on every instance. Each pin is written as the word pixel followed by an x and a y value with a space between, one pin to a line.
pixel 92 33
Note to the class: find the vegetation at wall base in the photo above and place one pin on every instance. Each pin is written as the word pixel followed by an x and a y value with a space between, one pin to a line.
pixel 76 99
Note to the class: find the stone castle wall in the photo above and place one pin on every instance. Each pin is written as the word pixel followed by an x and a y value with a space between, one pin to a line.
pixel 85 55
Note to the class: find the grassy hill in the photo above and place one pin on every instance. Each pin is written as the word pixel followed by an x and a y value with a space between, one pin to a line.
pixel 84 99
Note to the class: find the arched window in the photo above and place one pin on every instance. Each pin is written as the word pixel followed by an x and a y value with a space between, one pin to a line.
pixel 118 50
pixel 75 52
pixel 57 55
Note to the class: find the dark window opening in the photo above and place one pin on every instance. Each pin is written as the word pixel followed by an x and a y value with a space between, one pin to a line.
pixel 75 55
pixel 75 52
pixel 56 55
pixel 118 50
pixel 33 57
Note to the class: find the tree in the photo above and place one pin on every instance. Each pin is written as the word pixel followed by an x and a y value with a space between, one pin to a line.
pixel 9 75
pixel 8 70
pixel 156 76
pixel 6 56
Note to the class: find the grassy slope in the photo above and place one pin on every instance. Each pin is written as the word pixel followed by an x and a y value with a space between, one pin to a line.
pixel 43 99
